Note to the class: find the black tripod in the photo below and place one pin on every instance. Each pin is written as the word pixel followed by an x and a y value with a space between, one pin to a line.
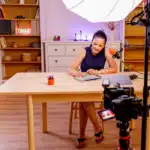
pixel 124 136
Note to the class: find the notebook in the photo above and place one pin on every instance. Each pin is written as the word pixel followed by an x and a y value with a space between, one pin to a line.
pixel 88 78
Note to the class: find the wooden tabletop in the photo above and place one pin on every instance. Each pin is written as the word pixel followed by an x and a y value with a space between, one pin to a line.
pixel 36 83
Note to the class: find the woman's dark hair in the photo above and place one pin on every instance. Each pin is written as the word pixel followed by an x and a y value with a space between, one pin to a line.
pixel 100 34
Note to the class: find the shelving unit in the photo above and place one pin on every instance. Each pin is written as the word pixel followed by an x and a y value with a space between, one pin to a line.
pixel 23 40
pixel 135 35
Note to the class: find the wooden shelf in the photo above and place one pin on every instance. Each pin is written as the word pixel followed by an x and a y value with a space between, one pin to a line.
pixel 135 35
pixel 29 11
pixel 21 62
pixel 132 36
pixel 13 35
pixel 26 19
pixel 6 78
pixel 134 61
pixel 135 47
pixel 21 48
pixel 21 5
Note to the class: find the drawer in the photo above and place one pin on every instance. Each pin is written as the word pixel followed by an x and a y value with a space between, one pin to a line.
pixel 55 50
pixel 60 61
pixel 57 69
pixel 86 45
pixel 73 50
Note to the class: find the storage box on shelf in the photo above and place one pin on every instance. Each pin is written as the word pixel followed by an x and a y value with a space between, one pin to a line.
pixel 59 55
pixel 135 35
pixel 23 39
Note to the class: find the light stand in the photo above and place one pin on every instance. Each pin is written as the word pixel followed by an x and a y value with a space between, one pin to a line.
pixel 146 23
pixel 145 89
pixel 145 112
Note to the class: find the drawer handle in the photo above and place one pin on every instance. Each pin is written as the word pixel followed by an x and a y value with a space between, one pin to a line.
pixel 55 50
pixel 74 50
pixel 56 61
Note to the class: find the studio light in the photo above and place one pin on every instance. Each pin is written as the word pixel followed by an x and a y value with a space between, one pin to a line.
pixel 102 10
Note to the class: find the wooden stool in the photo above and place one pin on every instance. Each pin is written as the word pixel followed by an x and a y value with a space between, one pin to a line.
pixel 74 112
pixel 132 124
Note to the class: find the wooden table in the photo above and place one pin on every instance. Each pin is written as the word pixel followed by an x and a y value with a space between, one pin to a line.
pixel 66 89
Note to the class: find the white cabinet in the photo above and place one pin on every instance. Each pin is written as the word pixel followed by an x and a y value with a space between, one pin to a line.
pixel 59 55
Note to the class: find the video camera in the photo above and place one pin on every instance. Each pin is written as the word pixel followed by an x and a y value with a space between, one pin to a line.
pixel 123 103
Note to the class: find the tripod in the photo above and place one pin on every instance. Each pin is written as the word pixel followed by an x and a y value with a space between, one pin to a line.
pixel 124 136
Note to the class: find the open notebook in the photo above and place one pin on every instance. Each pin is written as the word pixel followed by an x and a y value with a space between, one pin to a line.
pixel 88 78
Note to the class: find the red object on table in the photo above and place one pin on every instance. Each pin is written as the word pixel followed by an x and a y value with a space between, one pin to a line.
pixel 50 80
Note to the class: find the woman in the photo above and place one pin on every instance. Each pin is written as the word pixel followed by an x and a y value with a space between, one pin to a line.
pixel 91 61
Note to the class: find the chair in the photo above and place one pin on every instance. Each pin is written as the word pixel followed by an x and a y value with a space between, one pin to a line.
pixel 74 113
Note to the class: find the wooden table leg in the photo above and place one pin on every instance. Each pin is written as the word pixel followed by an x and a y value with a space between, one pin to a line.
pixel 30 117
pixel 44 116
pixel 132 124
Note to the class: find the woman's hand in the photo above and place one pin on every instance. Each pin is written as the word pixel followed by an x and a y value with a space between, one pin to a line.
pixel 75 73
pixel 78 74
pixel 92 72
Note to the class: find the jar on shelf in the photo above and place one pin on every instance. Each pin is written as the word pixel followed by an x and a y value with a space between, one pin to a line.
pixel 26 57
pixel 21 2
pixel 14 45
pixel 7 58
pixel 38 58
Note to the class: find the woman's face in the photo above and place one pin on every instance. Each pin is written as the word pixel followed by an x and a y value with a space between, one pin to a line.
pixel 97 45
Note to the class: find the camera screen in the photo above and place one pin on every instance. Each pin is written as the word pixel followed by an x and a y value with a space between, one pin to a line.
pixel 106 114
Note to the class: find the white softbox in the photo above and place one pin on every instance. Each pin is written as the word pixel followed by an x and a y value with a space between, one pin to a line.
pixel 102 10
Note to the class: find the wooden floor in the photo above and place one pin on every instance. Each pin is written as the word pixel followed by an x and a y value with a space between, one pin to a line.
pixel 13 128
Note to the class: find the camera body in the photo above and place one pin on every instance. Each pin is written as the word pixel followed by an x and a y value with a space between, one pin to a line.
pixel 122 101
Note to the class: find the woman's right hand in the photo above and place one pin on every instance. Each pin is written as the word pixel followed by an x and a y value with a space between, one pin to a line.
pixel 75 73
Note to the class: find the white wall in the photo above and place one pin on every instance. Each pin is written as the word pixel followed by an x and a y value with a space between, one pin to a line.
pixel 57 20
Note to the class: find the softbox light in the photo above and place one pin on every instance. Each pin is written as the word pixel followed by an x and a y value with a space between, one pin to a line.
pixel 102 10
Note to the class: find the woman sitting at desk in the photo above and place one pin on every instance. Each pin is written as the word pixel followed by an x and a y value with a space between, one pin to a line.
pixel 91 61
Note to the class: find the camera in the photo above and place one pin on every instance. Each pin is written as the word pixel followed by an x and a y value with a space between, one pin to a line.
pixel 122 101
pixel 126 106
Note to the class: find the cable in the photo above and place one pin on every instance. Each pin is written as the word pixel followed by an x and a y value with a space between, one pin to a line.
pixel 77 4
pixel 113 8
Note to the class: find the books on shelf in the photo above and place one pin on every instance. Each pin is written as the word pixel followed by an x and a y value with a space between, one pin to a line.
pixel 21 2
pixel 37 16
pixel 3 1
pixel 37 2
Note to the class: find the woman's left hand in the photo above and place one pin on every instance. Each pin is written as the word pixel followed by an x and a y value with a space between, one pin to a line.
pixel 92 72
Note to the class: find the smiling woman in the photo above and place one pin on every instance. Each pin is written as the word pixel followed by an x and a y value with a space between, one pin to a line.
pixel 91 61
